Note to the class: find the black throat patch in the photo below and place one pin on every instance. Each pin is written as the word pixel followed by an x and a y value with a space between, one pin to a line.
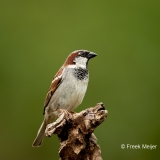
pixel 81 73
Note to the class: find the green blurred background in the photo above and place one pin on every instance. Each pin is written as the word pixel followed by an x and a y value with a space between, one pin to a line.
pixel 37 36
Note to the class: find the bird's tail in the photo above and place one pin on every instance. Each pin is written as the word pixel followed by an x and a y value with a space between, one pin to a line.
pixel 40 135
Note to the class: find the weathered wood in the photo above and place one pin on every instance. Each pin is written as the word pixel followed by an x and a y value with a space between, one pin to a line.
pixel 75 132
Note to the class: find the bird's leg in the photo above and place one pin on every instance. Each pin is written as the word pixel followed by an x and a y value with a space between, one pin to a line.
pixel 57 126
pixel 63 111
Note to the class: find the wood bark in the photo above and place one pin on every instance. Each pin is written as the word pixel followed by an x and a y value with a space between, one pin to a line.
pixel 75 133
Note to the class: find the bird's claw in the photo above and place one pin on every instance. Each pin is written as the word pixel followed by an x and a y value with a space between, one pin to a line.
pixel 57 126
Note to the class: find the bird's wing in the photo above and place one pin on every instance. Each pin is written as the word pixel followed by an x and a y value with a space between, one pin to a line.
pixel 54 85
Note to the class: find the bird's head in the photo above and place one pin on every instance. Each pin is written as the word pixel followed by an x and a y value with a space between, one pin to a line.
pixel 80 58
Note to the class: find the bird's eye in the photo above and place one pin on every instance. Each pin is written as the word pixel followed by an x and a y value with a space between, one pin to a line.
pixel 83 54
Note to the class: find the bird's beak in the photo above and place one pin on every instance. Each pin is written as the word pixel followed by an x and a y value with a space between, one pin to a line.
pixel 91 55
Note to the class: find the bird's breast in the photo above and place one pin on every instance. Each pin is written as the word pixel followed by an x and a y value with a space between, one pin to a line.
pixel 71 90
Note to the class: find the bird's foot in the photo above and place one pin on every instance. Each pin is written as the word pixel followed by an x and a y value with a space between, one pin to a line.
pixel 57 126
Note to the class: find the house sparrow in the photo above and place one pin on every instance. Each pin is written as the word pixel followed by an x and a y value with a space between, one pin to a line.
pixel 67 89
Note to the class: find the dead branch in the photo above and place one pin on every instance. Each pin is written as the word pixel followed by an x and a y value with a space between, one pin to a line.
pixel 75 132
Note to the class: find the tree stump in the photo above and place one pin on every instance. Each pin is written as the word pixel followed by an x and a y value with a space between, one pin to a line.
pixel 75 133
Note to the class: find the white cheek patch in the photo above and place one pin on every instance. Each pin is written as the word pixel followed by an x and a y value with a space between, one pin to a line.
pixel 81 61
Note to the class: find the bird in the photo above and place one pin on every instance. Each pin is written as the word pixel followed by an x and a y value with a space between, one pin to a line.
pixel 67 89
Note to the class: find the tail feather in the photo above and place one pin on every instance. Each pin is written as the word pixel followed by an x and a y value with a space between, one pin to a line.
pixel 40 135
